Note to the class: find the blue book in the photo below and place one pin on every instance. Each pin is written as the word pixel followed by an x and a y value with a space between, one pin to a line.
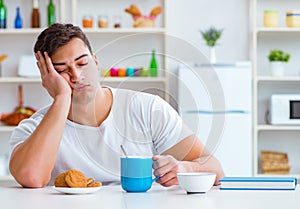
pixel 258 183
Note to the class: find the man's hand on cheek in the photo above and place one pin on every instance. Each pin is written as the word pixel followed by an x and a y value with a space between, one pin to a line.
pixel 52 81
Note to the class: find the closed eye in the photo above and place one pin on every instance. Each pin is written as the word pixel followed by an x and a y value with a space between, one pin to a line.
pixel 83 64
pixel 62 71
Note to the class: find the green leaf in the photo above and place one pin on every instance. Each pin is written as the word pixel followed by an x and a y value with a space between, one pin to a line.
pixel 211 36
pixel 278 55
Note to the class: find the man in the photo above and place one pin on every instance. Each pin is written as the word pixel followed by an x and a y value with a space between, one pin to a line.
pixel 86 124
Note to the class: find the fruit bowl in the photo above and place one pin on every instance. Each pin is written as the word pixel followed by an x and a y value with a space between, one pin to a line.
pixel 20 113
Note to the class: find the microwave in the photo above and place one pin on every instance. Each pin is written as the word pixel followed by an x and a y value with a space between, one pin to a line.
pixel 285 109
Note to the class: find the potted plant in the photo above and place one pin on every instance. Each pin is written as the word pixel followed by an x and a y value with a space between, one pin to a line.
pixel 278 59
pixel 211 36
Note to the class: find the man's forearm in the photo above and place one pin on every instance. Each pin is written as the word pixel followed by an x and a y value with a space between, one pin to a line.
pixel 33 160
pixel 205 164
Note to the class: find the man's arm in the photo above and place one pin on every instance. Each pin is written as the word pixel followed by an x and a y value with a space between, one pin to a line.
pixel 32 161
pixel 189 155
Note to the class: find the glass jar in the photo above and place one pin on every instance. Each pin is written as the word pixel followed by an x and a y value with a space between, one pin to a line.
pixel 293 18
pixel 103 21
pixel 270 18
pixel 117 21
pixel 87 21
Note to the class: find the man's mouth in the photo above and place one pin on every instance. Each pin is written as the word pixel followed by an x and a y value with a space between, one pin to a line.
pixel 81 87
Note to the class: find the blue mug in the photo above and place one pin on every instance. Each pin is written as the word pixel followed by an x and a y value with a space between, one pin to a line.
pixel 136 173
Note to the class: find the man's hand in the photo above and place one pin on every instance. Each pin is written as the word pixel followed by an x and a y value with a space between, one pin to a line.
pixel 166 167
pixel 52 81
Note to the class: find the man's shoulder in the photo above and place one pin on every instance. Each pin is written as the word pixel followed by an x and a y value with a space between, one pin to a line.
pixel 126 94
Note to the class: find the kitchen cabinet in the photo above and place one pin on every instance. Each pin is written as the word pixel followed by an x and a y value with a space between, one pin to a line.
pixel 115 47
pixel 282 138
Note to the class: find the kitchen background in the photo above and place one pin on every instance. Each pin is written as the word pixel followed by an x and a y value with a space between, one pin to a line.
pixel 183 20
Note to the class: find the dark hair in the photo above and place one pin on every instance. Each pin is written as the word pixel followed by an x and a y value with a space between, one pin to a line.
pixel 58 35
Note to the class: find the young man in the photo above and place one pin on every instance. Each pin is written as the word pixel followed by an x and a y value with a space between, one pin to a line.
pixel 86 124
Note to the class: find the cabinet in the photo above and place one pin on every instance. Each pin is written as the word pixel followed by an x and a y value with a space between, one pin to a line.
pixel 283 138
pixel 114 47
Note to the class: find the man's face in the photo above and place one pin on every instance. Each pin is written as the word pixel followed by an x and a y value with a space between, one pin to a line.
pixel 79 68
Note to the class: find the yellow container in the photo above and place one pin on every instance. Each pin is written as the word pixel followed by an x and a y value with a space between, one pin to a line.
pixel 270 18
pixel 293 18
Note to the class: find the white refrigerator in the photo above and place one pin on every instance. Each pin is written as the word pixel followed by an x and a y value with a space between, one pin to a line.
pixel 215 102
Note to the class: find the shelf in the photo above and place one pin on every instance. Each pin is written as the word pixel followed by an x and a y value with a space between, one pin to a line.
pixel 278 128
pixel 6 178
pixel 263 39
pixel 6 128
pixel 21 31
pixel 102 79
pixel 277 30
pixel 125 30
pixel 19 80
pixel 278 79
pixel 133 79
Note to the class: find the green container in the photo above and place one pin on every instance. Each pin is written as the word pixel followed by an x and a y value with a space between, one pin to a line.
pixel 144 72
pixel 2 14
pixel 51 13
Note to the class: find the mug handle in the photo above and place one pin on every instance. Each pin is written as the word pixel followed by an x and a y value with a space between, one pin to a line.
pixel 156 178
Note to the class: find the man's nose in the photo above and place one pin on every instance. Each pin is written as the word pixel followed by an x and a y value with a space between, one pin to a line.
pixel 75 74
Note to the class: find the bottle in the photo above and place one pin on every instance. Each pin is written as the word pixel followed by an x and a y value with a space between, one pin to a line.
pixel 18 20
pixel 153 65
pixel 51 13
pixel 35 15
pixel 2 14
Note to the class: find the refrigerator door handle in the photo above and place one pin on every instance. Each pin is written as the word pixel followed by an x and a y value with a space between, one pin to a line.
pixel 217 112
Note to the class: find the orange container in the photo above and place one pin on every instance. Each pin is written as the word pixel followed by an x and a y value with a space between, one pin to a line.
pixel 122 72
pixel 87 22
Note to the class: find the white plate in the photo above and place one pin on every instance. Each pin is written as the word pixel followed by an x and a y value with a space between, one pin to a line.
pixel 68 190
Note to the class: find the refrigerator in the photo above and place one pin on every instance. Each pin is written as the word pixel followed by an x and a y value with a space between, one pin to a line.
pixel 215 101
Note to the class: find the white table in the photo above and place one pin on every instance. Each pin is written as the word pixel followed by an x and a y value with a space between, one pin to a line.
pixel 113 197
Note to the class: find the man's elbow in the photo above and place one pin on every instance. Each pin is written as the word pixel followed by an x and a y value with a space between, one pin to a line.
pixel 30 179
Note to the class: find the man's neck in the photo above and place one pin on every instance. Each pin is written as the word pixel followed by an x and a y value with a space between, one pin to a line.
pixel 93 113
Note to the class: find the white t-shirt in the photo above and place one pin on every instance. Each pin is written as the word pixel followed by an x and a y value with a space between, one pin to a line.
pixel 143 123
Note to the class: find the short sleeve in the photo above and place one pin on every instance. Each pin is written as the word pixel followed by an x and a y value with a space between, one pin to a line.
pixel 24 130
pixel 167 127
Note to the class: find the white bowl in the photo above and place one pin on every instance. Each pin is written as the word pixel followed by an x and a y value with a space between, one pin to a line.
pixel 196 182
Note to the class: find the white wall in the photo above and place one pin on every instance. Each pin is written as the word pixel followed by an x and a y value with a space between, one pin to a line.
pixel 185 18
